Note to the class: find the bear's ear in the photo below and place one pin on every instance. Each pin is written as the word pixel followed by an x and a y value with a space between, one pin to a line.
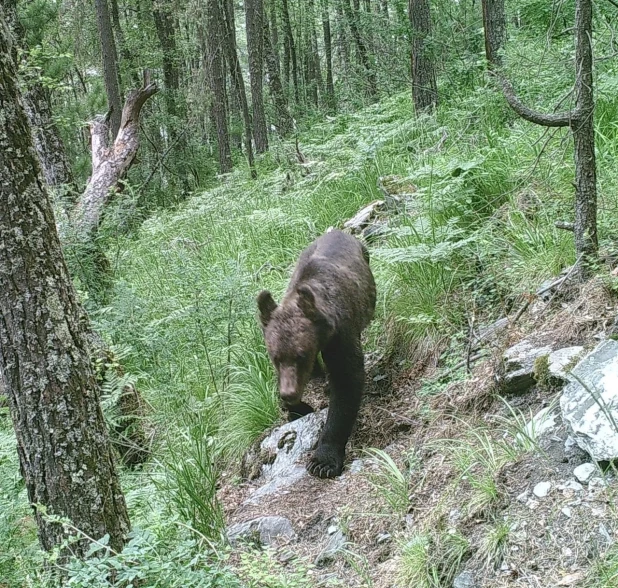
pixel 306 302
pixel 266 306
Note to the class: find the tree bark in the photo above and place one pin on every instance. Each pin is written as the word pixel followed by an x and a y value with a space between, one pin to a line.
pixel 424 87
pixel 45 365
pixel 330 100
pixel 494 25
pixel 165 26
pixel 238 82
pixel 586 238
pixel 47 140
pixel 215 68
pixel 254 15
pixel 110 164
pixel 284 120
pixel 290 46
pixel 110 64
pixel 351 16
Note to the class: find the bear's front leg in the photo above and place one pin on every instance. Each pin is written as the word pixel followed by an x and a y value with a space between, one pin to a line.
pixel 347 377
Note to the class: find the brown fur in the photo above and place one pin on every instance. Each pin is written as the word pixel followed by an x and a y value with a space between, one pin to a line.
pixel 329 301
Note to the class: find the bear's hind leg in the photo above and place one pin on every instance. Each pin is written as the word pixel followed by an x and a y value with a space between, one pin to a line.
pixel 345 363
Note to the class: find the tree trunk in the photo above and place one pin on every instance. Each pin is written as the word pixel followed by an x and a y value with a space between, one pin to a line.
pixel 110 64
pixel 165 26
pixel 586 238
pixel 424 87
pixel 351 16
pixel 47 141
pixel 330 100
pixel 581 121
pixel 284 120
pixel 274 34
pixel 254 14
pixel 215 68
pixel 238 82
pixel 63 447
pixel 37 101
pixel 110 164
pixel 494 24
pixel 291 49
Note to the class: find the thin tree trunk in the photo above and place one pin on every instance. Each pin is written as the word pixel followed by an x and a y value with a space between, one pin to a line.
pixel 215 67
pixel 289 40
pixel 351 16
pixel 330 100
pixel 494 24
pixel 424 87
pixel 165 26
pixel 581 122
pixel 284 120
pixel 254 14
pixel 110 64
pixel 238 82
pixel 586 238
pixel 64 451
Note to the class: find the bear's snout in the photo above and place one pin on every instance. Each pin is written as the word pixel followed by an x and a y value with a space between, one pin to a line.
pixel 290 390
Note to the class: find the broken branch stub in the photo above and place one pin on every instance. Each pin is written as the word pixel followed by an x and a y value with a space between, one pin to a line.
pixel 110 164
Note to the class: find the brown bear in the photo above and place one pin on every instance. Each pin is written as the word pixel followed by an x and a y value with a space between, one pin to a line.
pixel 330 299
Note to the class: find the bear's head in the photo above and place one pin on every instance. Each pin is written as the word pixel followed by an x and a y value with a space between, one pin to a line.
pixel 294 332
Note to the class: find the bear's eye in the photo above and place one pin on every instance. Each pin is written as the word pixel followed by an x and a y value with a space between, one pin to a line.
pixel 302 357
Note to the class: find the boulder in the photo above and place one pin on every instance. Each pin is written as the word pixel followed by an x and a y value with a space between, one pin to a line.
pixel 589 403
pixel 560 359
pixel 518 364
pixel 289 445
pixel 263 530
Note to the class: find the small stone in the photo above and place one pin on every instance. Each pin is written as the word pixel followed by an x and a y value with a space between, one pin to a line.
pixel 573 485
pixel 356 466
pixel 532 504
pixel 523 497
pixel 584 472
pixel 383 538
pixel 566 511
pixel 265 530
pixel 336 542
pixel 541 490
pixel 464 580
pixel 570 443
pixel 596 482
pixel 332 529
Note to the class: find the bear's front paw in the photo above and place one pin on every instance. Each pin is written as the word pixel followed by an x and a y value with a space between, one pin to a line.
pixel 327 462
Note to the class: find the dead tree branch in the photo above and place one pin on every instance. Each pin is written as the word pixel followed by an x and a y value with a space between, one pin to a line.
pixel 110 164
pixel 559 119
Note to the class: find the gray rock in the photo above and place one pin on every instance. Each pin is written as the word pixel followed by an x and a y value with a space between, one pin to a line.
pixel 591 411
pixel 464 580
pixel 290 443
pixel 541 490
pixel 491 332
pixel 264 530
pixel 542 422
pixel 336 542
pixel 519 366
pixel 560 358
pixel 584 472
